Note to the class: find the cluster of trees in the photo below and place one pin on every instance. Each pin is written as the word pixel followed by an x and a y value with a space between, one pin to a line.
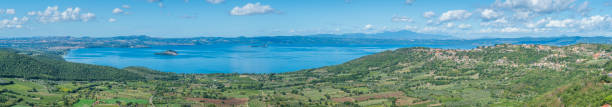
pixel 17 65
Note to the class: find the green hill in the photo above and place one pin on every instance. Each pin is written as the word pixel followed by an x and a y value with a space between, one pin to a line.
pixel 501 75
pixel 13 64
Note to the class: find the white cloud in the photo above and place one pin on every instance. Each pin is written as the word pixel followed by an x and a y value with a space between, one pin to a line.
pixel 112 20
pixel 368 27
pixel 215 1
pixel 251 9
pixel 542 30
pixel 560 23
pixel 540 6
pixel 160 4
pixel 15 22
pixel 537 24
pixel 497 22
pixel 550 23
pixel 125 6
pixel 455 15
pixel 52 14
pixel 117 11
pixel 9 11
pixel 512 30
pixel 487 30
pixel 431 22
pixel 522 15
pixel 450 25
pixel 464 26
pixel 32 13
pixel 409 2
pixel 87 16
pixel 401 19
pixel 429 14
pixel 489 14
pixel 595 23
pixel 529 9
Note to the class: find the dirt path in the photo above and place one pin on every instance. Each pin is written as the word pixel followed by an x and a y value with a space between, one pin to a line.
pixel 151 101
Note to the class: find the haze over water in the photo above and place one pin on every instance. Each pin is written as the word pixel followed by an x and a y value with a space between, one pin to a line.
pixel 228 58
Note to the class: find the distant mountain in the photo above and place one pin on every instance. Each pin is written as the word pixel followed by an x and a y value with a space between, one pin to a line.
pixel 141 37
pixel 62 44
pixel 393 35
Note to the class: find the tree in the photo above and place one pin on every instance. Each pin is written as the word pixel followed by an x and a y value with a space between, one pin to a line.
pixel 118 103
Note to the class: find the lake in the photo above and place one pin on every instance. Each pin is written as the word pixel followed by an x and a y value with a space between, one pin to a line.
pixel 229 58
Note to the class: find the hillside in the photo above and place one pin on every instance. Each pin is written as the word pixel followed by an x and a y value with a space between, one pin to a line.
pixel 40 66
pixel 501 75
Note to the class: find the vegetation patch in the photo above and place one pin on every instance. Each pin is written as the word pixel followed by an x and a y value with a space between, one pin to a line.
pixel 221 102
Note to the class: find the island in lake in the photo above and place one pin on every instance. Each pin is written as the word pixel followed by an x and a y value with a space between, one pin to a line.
pixel 263 46
pixel 168 52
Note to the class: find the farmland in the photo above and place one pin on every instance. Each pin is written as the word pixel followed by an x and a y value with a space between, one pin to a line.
pixel 500 75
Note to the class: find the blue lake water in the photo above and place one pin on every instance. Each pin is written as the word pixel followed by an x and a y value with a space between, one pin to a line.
pixel 228 58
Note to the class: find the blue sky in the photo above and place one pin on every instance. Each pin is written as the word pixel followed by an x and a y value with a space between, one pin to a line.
pixel 231 18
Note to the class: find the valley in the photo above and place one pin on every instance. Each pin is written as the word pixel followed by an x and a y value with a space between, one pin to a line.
pixel 499 75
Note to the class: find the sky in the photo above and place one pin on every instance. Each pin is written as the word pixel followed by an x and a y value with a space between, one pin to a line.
pixel 233 18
